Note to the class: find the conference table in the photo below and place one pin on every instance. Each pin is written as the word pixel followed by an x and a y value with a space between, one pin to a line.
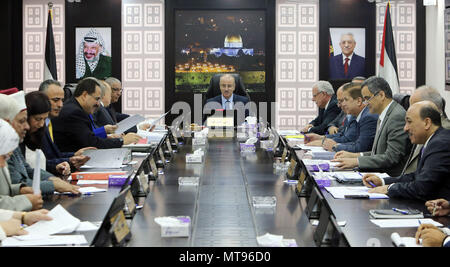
pixel 221 205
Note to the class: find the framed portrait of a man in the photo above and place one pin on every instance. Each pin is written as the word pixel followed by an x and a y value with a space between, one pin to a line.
pixel 347 56
pixel 93 52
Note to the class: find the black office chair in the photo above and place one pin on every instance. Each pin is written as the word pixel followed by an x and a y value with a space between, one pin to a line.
pixel 214 87
pixel 403 100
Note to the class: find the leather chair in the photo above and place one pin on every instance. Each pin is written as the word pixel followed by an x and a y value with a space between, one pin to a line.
pixel 403 100
pixel 214 87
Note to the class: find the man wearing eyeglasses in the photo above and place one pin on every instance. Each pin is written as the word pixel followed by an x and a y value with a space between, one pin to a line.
pixel 391 144
pixel 73 128
pixel 325 99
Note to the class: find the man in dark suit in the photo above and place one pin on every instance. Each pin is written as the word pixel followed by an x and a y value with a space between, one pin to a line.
pixel 116 93
pixel 227 99
pixel 431 180
pixel 326 101
pixel 347 65
pixel 365 123
pixel 73 128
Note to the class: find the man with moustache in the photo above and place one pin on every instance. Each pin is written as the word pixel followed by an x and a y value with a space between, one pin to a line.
pixel 431 180
pixel 73 128
pixel 55 94
pixel 93 59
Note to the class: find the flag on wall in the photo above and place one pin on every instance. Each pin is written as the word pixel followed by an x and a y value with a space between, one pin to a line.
pixel 50 56
pixel 330 47
pixel 388 60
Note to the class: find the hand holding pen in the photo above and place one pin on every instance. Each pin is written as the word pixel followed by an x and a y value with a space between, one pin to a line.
pixel 371 180
pixel 438 207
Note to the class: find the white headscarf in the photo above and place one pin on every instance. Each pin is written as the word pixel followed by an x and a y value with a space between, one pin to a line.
pixel 93 37
pixel 8 107
pixel 9 140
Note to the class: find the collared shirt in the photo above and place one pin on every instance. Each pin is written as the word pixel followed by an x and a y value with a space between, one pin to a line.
pixel 224 100
pixel 360 114
pixel 383 114
pixel 349 57
pixel 326 106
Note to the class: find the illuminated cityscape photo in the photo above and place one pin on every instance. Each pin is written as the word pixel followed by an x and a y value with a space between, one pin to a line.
pixel 210 42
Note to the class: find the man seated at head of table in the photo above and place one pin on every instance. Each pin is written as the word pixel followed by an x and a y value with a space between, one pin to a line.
pixel 431 180
pixel 420 94
pixel 391 144
pixel 359 134
pixel 73 128
pixel 431 235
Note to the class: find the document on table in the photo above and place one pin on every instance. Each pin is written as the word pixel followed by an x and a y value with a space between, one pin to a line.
pixel 355 176
pixel 400 223
pixel 129 122
pixel 62 220
pixel 85 190
pixel 288 132
pixel 89 182
pixel 106 158
pixel 340 192
pixel 56 240
pixel 311 148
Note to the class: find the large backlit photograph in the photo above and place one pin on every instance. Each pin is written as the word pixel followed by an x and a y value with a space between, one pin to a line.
pixel 208 42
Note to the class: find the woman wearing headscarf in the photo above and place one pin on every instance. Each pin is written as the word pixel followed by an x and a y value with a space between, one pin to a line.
pixel 11 221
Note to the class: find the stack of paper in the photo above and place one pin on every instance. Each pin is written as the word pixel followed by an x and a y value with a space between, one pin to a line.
pixel 311 148
pixel 288 132
pixel 340 192
pixel 42 232
pixel 106 158
pixel 318 164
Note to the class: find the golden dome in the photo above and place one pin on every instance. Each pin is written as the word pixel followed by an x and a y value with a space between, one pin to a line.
pixel 233 40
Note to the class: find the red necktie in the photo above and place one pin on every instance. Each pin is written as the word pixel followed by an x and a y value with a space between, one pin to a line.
pixel 346 66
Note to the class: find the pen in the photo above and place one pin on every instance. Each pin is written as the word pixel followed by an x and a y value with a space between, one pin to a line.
pixel 419 222
pixel 434 209
pixel 401 211
pixel 371 184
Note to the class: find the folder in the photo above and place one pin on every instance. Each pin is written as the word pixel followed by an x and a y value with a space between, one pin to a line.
pixel 95 175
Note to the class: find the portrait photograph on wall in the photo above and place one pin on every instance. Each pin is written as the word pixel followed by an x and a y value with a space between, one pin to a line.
pixel 208 42
pixel 93 52
pixel 347 53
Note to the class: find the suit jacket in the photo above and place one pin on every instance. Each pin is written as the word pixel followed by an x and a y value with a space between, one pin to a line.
pixel 21 172
pixel 102 117
pixel 391 146
pixel 357 67
pixel 339 121
pixel 52 153
pixel 348 134
pixel 10 198
pixel 413 159
pixel 365 133
pixel 236 99
pixel 72 130
pixel 116 116
pixel 431 180
pixel 320 123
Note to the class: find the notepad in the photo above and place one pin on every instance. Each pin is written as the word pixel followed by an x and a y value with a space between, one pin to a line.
pixel 340 192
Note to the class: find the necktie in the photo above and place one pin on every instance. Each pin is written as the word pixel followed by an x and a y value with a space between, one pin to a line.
pixel 227 105
pixel 346 66
pixel 374 146
pixel 50 130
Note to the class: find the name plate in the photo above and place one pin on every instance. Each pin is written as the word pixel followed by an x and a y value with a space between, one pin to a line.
pixel 193 158
pixel 198 141
pixel 220 122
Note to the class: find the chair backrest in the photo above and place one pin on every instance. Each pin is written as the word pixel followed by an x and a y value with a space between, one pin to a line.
pixel 214 87
pixel 403 100
pixel 69 89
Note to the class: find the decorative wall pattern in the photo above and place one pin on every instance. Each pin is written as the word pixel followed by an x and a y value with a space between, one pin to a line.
pixel 403 16
pixel 297 61
pixel 143 57
pixel 34 34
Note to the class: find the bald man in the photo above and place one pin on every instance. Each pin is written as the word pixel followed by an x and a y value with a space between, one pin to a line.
pixel 431 180
pixel 423 93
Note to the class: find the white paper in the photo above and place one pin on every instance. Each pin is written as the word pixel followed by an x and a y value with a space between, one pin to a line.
pixel 37 174
pixel 339 192
pixel 288 132
pixel 62 220
pixel 400 223
pixel 405 241
pixel 129 122
pixel 311 148
pixel 356 175
pixel 82 227
pixel 89 182
pixel 106 158
pixel 85 190
pixel 56 240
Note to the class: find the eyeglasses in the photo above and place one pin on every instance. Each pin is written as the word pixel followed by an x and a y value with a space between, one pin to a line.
pixel 317 94
pixel 367 100
pixel 117 89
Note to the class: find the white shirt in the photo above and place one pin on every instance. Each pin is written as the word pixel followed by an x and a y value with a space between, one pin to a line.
pixel 349 57
pixel 326 106
pixel 383 114
pixel 360 113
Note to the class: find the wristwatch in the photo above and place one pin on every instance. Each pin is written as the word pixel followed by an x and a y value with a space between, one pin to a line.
pixel 121 140
pixel 334 148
